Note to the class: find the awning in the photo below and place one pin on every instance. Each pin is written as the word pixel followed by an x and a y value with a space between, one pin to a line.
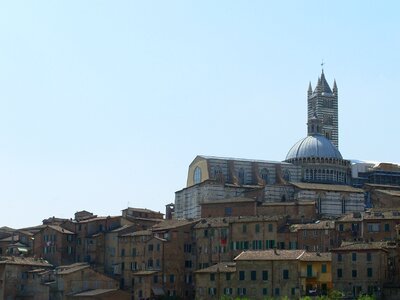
pixel 22 250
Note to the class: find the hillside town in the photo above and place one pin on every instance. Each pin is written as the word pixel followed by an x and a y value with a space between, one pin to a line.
pixel 241 228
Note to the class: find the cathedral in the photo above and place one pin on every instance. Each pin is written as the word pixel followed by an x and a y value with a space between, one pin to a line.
pixel 313 171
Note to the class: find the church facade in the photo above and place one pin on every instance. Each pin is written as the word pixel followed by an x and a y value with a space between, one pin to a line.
pixel 314 169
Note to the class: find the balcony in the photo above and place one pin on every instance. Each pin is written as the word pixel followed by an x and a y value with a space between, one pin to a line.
pixel 308 274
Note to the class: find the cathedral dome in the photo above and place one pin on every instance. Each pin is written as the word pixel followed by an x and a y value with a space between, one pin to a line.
pixel 315 145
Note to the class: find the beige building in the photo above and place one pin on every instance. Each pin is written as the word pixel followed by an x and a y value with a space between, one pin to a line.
pixel 360 268
pixel 19 278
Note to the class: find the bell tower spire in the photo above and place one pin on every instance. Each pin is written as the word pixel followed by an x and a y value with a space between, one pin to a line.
pixel 322 106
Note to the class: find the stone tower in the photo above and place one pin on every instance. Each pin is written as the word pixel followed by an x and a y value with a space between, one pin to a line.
pixel 323 104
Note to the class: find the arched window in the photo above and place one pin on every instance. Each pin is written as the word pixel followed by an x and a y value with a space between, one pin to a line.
pixel 241 176
pixel 197 175
pixel 319 204
pixel 343 206
pixel 264 175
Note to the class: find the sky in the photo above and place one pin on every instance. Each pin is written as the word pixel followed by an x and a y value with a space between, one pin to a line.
pixel 104 104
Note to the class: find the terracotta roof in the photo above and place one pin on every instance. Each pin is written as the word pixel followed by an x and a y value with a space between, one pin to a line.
pixel 361 246
pixel 60 229
pixel 138 233
pixel 316 256
pixel 223 267
pixel 142 210
pixel 372 214
pixel 95 218
pixel 171 224
pixel 24 261
pixel 270 255
pixel 319 225
pixel 326 187
pixel 225 221
pixel 68 269
pixel 10 238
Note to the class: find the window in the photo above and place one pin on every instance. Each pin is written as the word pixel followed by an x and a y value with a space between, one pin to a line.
pixel 197 175
pixel 212 291
pixel 241 291
pixel 244 228
pixel 354 256
pixel 159 247
pixel 186 248
pixel 150 247
pixel 270 227
pixel 228 291
pixel 257 228
pixel 354 273
pixel 277 292
pixel 339 257
pixel 241 176
pixel 341 227
pixel 339 273
pixel 269 244
pixel 369 256
pixel 228 211
pixel 323 268
pixel 171 278
pixel 265 275
pixel 212 277
pixel 188 263
pixel 373 227
pixel 155 279
pixel 387 227
pixel 122 252
pixel 265 291
pixel 133 251
pixel 228 276
pixel 343 206
pixel 241 275
pixel 369 272
pixel 150 263
pixel 285 274
pixel 253 275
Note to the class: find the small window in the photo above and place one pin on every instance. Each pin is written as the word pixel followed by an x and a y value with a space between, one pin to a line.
pixel 339 273
pixel 244 228
pixel 228 211
pixel 387 227
pixel 354 256
pixel 369 272
pixel 285 274
pixel 241 275
pixel 253 275
pixel 265 275
pixel 212 277
pixel 339 257
pixel 369 256
pixel 270 227
pixel 323 268
pixel 354 273
pixel 228 276
pixel 257 228
pixel 197 175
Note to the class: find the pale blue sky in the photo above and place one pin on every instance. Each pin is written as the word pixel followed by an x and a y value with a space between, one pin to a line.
pixel 105 103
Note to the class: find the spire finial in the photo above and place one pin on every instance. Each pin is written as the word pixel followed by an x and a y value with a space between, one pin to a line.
pixel 322 65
